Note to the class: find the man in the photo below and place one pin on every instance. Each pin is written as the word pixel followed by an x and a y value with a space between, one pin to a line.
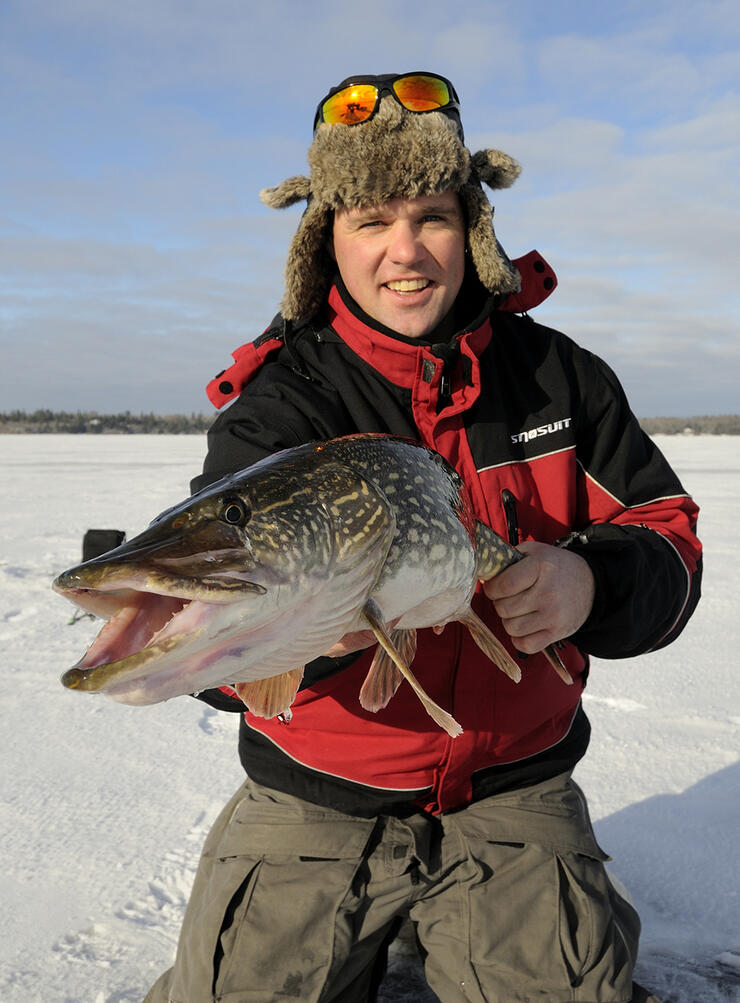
pixel 397 318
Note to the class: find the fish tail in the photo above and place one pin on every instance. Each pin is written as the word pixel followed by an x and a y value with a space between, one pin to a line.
pixel 493 554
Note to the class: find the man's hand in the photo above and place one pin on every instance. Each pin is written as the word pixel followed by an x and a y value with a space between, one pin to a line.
pixel 357 641
pixel 543 598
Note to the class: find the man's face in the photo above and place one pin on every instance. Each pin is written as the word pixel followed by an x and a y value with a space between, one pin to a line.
pixel 403 262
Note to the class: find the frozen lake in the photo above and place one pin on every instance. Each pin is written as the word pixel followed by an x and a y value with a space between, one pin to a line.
pixel 105 807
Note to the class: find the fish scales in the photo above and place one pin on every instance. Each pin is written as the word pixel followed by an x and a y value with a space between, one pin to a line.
pixel 265 570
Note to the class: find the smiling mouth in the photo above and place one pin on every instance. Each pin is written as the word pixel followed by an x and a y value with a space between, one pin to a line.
pixel 408 285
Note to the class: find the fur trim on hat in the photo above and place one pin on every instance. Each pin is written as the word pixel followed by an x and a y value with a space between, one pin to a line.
pixel 396 154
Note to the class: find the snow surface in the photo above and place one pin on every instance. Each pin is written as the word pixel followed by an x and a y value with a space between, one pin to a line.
pixel 105 807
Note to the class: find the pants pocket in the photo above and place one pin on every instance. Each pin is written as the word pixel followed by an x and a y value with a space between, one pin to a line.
pixel 261 917
pixel 598 931
pixel 278 934
pixel 543 926
pixel 221 889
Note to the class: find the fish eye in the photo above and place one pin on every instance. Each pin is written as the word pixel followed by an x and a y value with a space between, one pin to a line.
pixel 234 512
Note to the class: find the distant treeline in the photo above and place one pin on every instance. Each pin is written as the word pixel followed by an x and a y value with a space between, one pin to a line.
pixel 90 422
pixel 45 421
pixel 705 424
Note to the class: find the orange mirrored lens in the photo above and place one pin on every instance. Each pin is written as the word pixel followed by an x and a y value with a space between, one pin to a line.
pixel 351 105
pixel 420 93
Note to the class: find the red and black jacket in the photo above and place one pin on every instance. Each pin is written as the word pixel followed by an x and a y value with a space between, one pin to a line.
pixel 543 436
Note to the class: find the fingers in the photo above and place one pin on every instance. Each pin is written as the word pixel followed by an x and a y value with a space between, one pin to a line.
pixel 356 641
pixel 544 598
pixel 530 629
pixel 515 580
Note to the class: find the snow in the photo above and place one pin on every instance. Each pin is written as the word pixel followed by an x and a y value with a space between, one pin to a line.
pixel 104 807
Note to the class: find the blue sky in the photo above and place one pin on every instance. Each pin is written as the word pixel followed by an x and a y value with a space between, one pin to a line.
pixel 135 254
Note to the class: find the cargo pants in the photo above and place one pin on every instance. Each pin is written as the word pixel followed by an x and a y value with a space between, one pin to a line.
pixel 509 898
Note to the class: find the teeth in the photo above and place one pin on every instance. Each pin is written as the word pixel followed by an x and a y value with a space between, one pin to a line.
pixel 408 285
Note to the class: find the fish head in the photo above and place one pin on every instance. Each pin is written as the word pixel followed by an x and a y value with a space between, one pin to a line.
pixel 215 577
pixel 203 573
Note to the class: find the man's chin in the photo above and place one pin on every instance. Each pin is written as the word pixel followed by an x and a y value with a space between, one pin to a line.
pixel 410 323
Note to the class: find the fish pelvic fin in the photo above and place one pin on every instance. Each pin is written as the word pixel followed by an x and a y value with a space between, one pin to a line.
pixel 490 644
pixel 270 697
pixel 384 677
pixel 492 553
pixel 374 617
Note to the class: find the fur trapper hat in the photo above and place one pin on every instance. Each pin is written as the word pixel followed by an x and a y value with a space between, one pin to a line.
pixel 396 154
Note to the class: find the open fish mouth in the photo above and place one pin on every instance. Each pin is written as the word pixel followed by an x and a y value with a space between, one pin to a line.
pixel 144 625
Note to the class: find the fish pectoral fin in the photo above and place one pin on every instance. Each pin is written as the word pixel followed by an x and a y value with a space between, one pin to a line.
pixel 384 677
pixel 270 697
pixel 490 645
pixel 374 617
pixel 551 654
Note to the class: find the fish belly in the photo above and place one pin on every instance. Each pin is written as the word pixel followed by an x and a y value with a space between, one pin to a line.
pixel 429 593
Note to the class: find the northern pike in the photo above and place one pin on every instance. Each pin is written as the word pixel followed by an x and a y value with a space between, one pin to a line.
pixel 254 576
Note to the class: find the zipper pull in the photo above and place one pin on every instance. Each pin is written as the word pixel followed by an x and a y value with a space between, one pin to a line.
pixel 508 500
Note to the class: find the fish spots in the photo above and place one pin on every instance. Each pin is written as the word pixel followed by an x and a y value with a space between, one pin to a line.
pixel 328 525
pixel 364 524
pixel 353 497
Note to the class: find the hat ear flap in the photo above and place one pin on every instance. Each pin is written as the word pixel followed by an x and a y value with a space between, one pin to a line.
pixel 288 192
pixel 496 169
pixel 310 269
pixel 491 263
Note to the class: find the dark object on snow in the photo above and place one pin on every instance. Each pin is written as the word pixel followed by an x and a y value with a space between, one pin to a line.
pixel 98 541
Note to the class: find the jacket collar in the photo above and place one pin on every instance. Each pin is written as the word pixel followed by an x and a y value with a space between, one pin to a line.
pixel 398 357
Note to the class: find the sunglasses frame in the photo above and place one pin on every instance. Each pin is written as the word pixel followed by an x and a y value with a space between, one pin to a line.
pixel 384 84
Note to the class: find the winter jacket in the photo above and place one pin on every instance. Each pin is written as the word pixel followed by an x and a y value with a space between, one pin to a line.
pixel 543 436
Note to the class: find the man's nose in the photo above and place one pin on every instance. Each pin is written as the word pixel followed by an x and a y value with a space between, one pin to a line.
pixel 405 247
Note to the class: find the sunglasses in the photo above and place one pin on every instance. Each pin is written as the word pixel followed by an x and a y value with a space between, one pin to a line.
pixel 357 99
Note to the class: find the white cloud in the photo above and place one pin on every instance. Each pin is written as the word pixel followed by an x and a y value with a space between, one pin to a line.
pixel 642 227
pixel 136 137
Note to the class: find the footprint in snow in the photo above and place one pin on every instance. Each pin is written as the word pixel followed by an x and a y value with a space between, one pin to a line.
pixel 17 615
